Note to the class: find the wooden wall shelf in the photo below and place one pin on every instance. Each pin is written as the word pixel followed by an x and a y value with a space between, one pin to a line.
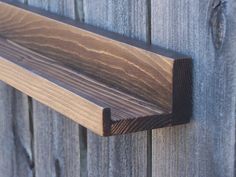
pixel 108 83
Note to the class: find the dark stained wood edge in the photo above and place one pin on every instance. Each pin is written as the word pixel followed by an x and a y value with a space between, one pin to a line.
pixel 180 74
pixel 182 92
pixel 107 122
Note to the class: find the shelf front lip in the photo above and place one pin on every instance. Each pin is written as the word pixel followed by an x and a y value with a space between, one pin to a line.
pixel 41 89
pixel 99 122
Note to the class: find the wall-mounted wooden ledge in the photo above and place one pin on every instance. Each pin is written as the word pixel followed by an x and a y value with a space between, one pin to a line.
pixel 107 83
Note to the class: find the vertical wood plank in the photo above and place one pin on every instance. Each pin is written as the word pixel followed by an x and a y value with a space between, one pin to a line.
pixel 125 17
pixel 16 157
pixel 43 4
pixel 204 29
pixel 124 155
pixel 57 144
pixel 63 7
pixel 79 10
pixel 22 1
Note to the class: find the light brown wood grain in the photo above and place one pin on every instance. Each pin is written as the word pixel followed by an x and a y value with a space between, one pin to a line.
pixel 55 97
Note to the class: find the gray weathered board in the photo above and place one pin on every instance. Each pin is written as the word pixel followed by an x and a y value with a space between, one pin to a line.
pixel 35 141
pixel 206 30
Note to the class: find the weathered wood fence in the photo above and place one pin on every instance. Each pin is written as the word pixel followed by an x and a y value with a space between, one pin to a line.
pixel 35 141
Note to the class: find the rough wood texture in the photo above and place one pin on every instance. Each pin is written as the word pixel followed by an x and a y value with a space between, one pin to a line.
pixel 204 29
pixel 124 155
pixel 160 82
pixel 58 145
pixel 16 158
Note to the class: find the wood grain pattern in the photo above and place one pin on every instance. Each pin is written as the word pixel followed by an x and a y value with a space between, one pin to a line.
pixel 124 155
pixel 57 143
pixel 147 85
pixel 204 29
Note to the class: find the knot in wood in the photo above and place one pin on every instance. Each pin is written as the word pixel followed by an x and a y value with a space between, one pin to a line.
pixel 218 23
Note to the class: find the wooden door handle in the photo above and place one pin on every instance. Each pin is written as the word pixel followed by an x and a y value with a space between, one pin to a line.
pixel 106 82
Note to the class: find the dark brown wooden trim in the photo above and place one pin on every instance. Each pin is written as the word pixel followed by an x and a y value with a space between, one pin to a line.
pixel 106 82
